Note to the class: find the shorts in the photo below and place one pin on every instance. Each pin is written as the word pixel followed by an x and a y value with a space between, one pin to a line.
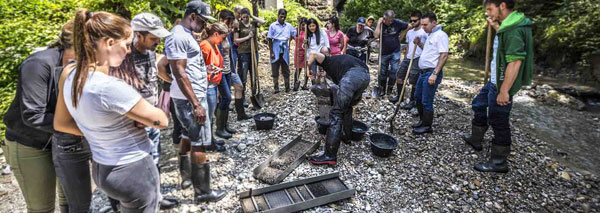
pixel 233 78
pixel 414 70
pixel 199 134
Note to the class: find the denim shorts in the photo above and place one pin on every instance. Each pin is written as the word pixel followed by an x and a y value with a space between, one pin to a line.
pixel 199 134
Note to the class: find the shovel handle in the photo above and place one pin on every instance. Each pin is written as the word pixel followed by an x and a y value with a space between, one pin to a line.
pixel 401 98
pixel 488 50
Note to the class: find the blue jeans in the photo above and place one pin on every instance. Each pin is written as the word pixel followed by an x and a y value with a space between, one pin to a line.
pixel 425 93
pixel 487 111
pixel 389 66
pixel 211 98
pixel 199 134
pixel 224 93
pixel 154 137
pixel 244 65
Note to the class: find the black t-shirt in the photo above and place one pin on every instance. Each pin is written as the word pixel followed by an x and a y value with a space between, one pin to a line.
pixel 337 66
pixel 356 39
pixel 391 32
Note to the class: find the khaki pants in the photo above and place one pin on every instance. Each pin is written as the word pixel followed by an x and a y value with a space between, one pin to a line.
pixel 34 171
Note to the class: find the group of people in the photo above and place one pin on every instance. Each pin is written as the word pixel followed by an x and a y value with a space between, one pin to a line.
pixel 95 94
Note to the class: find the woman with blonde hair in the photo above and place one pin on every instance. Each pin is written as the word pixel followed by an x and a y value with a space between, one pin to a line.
pixel 104 109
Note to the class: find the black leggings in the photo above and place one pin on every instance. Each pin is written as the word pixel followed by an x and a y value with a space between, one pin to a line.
pixel 71 156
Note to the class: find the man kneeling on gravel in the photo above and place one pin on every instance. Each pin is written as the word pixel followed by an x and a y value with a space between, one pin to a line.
pixel 351 77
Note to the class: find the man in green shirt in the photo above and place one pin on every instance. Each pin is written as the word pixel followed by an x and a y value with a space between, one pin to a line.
pixel 511 68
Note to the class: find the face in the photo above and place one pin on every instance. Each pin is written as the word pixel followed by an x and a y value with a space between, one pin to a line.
pixel 218 38
pixel 427 25
pixel 360 27
pixel 117 50
pixel 148 42
pixel 388 20
pixel 492 11
pixel 370 22
pixel 245 18
pixel 312 27
pixel 197 24
pixel 281 18
pixel 414 21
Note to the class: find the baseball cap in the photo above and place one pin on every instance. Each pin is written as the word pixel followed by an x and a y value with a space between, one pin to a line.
pixel 200 8
pixel 361 20
pixel 151 23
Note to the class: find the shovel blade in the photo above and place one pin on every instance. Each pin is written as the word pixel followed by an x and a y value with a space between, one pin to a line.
pixel 258 101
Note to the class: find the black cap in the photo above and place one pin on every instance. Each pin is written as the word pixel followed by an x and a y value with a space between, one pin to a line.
pixel 200 8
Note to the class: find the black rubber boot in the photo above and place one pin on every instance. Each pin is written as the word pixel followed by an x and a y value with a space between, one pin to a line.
pixel 240 110
pixel 244 101
pixel 201 182
pixel 305 85
pixel 168 203
pixel 332 144
pixel 390 86
pixel 395 99
pixel 412 103
pixel 296 80
pixel 220 131
pixel 498 160
pixel 427 124
pixel 420 122
pixel 227 128
pixel 347 127
pixel 476 137
pixel 64 208
pixel 286 81
pixel 275 85
pixel 382 87
pixel 185 171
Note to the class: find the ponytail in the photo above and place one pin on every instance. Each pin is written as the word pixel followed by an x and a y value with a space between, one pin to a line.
pixel 211 29
pixel 88 29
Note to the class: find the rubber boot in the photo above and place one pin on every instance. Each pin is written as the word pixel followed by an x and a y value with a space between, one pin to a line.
pixel 275 85
pixel 332 144
pixel 244 101
pixel 390 86
pixel 420 122
pixel 201 182
pixel 396 98
pixel 296 80
pixel 412 102
pixel 286 81
pixel 168 203
pixel 347 127
pixel 382 88
pixel 427 124
pixel 215 145
pixel 185 171
pixel 220 131
pixel 305 86
pixel 476 137
pixel 498 160
pixel 64 208
pixel 226 120
pixel 240 110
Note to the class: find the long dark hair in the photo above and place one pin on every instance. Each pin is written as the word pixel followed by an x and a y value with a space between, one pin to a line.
pixel 88 29
pixel 336 22
pixel 317 30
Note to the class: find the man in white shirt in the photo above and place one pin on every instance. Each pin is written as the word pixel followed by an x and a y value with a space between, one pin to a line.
pixel 432 61
pixel 414 30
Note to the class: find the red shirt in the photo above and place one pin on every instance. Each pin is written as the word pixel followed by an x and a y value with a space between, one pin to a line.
pixel 212 56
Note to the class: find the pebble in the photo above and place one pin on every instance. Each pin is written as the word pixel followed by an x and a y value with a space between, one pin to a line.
pixel 241 147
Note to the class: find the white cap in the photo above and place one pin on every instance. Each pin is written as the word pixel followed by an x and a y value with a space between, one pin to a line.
pixel 151 23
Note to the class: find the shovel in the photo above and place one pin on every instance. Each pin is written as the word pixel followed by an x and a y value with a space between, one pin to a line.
pixel 391 119
pixel 297 73
pixel 257 99
pixel 488 49
pixel 375 92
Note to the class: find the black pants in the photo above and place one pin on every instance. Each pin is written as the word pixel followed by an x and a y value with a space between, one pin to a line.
pixel 71 156
pixel 176 134
pixel 351 88
pixel 134 185
pixel 280 64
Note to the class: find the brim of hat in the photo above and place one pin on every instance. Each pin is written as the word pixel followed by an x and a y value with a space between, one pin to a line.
pixel 360 23
pixel 161 32
pixel 210 18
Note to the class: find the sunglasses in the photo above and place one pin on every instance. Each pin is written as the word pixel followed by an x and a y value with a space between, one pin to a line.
pixel 413 20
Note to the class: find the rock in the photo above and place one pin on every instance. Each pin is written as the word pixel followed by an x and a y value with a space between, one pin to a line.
pixel 241 147
pixel 477 183
pixel 565 175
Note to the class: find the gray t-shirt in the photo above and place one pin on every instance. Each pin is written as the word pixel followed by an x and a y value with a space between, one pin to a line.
pixel 182 45
pixel 100 115
pixel 493 64
pixel 145 67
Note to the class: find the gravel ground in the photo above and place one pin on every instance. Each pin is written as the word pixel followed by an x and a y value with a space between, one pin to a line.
pixel 429 173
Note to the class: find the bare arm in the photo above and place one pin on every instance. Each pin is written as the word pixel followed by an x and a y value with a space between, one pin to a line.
pixel 63 121
pixel 441 62
pixel 259 21
pixel 512 70
pixel 378 28
pixel 143 112
pixel 237 39
pixel 178 69
pixel 162 64
pixel 343 44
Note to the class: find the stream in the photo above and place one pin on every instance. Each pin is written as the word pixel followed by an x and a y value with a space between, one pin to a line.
pixel 572 137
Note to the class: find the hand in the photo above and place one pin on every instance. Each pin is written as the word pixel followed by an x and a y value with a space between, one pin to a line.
pixel 411 26
pixel 139 125
pixel 432 79
pixel 399 81
pixel 311 76
pixel 212 69
pixel 503 99
pixel 321 73
pixel 272 56
pixel 200 114
pixel 250 35
pixel 380 21
pixel 417 41
pixel 493 23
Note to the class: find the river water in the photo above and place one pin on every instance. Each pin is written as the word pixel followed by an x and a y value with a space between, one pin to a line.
pixel 573 137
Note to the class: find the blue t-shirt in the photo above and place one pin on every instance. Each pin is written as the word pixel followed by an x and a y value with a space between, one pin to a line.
pixel 391 32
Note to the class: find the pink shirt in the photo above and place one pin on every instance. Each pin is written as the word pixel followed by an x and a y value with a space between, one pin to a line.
pixel 335 42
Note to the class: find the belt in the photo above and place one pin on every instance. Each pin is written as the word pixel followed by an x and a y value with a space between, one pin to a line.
pixel 427 70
